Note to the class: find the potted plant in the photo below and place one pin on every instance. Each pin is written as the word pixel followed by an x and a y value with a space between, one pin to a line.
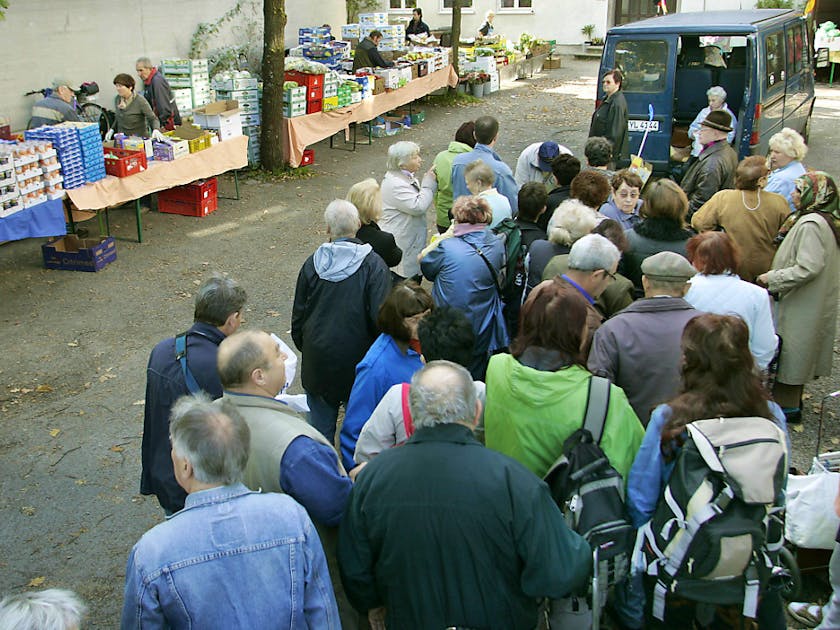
pixel 588 31
pixel 476 84
pixel 485 82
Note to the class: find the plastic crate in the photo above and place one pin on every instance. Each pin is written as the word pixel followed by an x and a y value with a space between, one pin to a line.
pixel 308 157
pixel 301 78
pixel 122 162
pixel 313 107
pixel 197 199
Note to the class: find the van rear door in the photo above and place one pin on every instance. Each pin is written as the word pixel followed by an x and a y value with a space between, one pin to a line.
pixel 648 63
pixel 772 77
pixel 800 80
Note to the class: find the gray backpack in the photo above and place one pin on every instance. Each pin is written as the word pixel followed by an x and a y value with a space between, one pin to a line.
pixel 714 530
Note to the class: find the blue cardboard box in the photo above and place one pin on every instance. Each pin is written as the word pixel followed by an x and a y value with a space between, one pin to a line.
pixel 79 254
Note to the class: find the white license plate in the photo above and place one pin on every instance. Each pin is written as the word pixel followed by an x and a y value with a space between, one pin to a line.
pixel 641 125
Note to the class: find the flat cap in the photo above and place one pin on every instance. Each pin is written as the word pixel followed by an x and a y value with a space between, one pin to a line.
pixel 668 267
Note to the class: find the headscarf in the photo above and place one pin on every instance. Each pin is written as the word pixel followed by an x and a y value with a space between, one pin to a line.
pixel 817 193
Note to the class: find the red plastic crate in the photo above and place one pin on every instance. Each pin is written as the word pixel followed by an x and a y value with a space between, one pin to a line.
pixel 198 190
pixel 125 162
pixel 188 208
pixel 314 94
pixel 313 106
pixel 308 157
pixel 301 78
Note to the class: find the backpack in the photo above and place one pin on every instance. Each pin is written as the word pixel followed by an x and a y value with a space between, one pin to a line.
pixel 590 492
pixel 714 530
pixel 514 275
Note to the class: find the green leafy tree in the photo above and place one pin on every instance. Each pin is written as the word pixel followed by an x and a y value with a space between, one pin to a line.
pixel 774 4
pixel 273 70
pixel 4 4
pixel 354 7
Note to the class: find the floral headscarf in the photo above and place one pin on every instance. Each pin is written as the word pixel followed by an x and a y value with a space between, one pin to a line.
pixel 817 193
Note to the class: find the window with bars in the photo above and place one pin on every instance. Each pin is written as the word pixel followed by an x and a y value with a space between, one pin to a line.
pixel 515 4
pixel 446 5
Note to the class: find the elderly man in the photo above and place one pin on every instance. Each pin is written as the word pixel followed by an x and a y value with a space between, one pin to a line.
pixel 157 91
pixel 367 54
pixel 593 262
pixel 181 365
pixel 638 349
pixel 337 298
pixel 534 163
pixel 55 108
pixel 599 155
pixel 442 532
pixel 232 558
pixel 717 101
pixel 714 169
pixel 486 134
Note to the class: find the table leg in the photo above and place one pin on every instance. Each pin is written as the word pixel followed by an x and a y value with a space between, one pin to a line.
pixel 831 75
pixel 139 221
pixel 236 186
pixel 68 207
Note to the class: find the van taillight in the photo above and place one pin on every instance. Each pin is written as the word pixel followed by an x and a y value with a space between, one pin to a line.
pixel 755 133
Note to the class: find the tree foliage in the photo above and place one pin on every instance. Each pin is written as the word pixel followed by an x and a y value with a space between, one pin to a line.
pixel 354 7
pixel 4 4
pixel 774 4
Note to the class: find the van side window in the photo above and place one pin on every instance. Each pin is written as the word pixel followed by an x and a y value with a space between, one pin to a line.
pixel 774 59
pixel 644 64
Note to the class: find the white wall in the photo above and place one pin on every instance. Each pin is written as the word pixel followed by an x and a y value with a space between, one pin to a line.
pixel 93 40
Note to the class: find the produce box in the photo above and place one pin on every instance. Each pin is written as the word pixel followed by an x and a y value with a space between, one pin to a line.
pixel 235 84
pixel 171 149
pixel 250 120
pixel 197 139
pixel 295 94
pixel 308 80
pixel 223 116
pixel 76 254
pixel 124 162
pixel 378 86
pixel 328 104
pixel 290 110
pixel 553 63
pixel 197 199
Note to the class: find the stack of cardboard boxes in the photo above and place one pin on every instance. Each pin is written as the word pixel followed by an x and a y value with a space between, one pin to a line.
pixel 190 82
pixel 245 91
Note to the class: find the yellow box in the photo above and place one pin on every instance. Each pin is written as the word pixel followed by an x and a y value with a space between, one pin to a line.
pixel 330 103
pixel 198 139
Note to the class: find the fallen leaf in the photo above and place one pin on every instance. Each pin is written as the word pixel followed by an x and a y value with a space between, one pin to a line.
pixel 196 282
pixel 43 389
pixel 87 385
pixel 806 396
pixel 273 313
pixel 798 428
pixel 835 440
pixel 138 403
pixel 117 449
pixel 106 377
pixel 73 344
pixel 27 510
pixel 81 482
pixel 55 432
pixel 36 581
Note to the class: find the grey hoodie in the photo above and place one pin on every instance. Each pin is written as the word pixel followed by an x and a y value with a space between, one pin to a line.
pixel 338 260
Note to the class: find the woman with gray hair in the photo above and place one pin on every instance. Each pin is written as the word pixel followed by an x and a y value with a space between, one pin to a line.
pixel 717 100
pixel 546 259
pixel 787 150
pixel 52 609
pixel 404 205
pixel 367 198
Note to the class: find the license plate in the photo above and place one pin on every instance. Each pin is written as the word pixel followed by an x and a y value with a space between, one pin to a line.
pixel 641 125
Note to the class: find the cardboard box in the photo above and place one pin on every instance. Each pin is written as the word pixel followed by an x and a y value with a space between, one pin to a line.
pixel 235 84
pixel 76 254
pixel 198 139
pixel 223 116
pixel 552 63
pixel 378 86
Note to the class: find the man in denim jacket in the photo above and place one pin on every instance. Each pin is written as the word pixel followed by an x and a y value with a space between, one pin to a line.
pixel 231 558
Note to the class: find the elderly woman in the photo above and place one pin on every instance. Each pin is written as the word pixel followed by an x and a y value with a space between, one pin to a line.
pixel 592 188
pixel 749 215
pixel 367 198
pixel 619 293
pixel 787 150
pixel 716 289
pixel 599 155
pixel 625 201
pixel 804 275
pixel 480 179
pixel 610 119
pixel 393 358
pixel 465 270
pixel 663 228
pixel 404 204
pixel 486 28
pixel 717 101
pixel 537 394
pixel 546 259
pixel 134 115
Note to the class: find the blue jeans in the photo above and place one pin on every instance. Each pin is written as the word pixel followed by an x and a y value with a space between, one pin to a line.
pixel 629 601
pixel 322 415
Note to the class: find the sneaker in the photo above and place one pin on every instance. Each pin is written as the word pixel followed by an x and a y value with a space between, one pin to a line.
pixel 793 415
pixel 809 615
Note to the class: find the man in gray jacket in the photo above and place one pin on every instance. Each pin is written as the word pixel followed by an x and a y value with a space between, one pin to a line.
pixel 638 349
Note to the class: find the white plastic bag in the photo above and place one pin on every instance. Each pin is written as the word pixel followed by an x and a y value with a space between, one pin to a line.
pixel 810 521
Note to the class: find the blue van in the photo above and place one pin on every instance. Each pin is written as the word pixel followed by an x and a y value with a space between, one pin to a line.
pixel 761 57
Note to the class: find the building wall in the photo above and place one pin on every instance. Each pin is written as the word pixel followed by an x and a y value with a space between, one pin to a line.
pixel 93 40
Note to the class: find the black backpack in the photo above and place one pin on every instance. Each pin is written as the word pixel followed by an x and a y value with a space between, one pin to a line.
pixel 715 530
pixel 514 275
pixel 590 492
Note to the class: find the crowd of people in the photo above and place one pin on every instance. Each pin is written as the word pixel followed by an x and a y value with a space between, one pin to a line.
pixel 682 315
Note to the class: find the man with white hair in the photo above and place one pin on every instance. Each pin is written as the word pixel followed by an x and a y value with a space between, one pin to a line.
pixel 51 609
pixel 227 558
pixel 156 90
pixel 337 298
pixel 56 107
pixel 717 101
pixel 593 263
pixel 442 532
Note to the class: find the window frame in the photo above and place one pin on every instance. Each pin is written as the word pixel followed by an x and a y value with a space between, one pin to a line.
pixel 629 78
pixel 778 82
pixel 515 10
pixel 443 10
pixel 404 10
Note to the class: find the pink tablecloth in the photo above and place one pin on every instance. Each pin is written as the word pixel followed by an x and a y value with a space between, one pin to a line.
pixel 220 158
pixel 301 131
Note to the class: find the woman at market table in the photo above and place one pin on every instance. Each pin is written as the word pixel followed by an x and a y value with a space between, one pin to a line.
pixel 134 114
pixel 787 150
pixel 486 28
pixel 804 275
pixel 416 26
pixel 404 204
pixel 610 119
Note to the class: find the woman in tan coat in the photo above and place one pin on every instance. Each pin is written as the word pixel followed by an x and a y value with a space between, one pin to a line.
pixel 805 276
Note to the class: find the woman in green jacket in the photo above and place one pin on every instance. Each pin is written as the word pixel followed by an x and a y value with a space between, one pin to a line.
pixel 536 396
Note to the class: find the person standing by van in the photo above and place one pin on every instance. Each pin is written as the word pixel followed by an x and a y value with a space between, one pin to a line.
pixel 714 169
pixel 610 119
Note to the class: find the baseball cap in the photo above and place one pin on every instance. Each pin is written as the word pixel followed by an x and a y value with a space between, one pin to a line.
pixel 547 152
pixel 59 81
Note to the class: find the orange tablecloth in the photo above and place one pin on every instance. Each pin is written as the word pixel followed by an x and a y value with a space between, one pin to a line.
pixel 301 131
pixel 220 158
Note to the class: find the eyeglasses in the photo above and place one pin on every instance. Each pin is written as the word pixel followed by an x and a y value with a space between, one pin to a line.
pixel 609 273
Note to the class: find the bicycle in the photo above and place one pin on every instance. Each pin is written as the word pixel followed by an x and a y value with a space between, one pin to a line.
pixel 86 110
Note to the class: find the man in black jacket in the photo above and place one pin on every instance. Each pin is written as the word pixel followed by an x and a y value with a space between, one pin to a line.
pixel 714 169
pixel 156 90
pixel 442 532
pixel 218 313
pixel 337 298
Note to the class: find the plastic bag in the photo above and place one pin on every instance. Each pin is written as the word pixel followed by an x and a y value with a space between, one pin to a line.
pixel 810 521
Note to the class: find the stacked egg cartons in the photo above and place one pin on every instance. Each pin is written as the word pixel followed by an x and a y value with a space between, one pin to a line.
pixel 65 141
pixel 190 82
pixel 9 195
pixel 93 156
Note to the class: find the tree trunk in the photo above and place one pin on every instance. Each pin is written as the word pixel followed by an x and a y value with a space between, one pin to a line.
pixel 271 146
pixel 456 35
